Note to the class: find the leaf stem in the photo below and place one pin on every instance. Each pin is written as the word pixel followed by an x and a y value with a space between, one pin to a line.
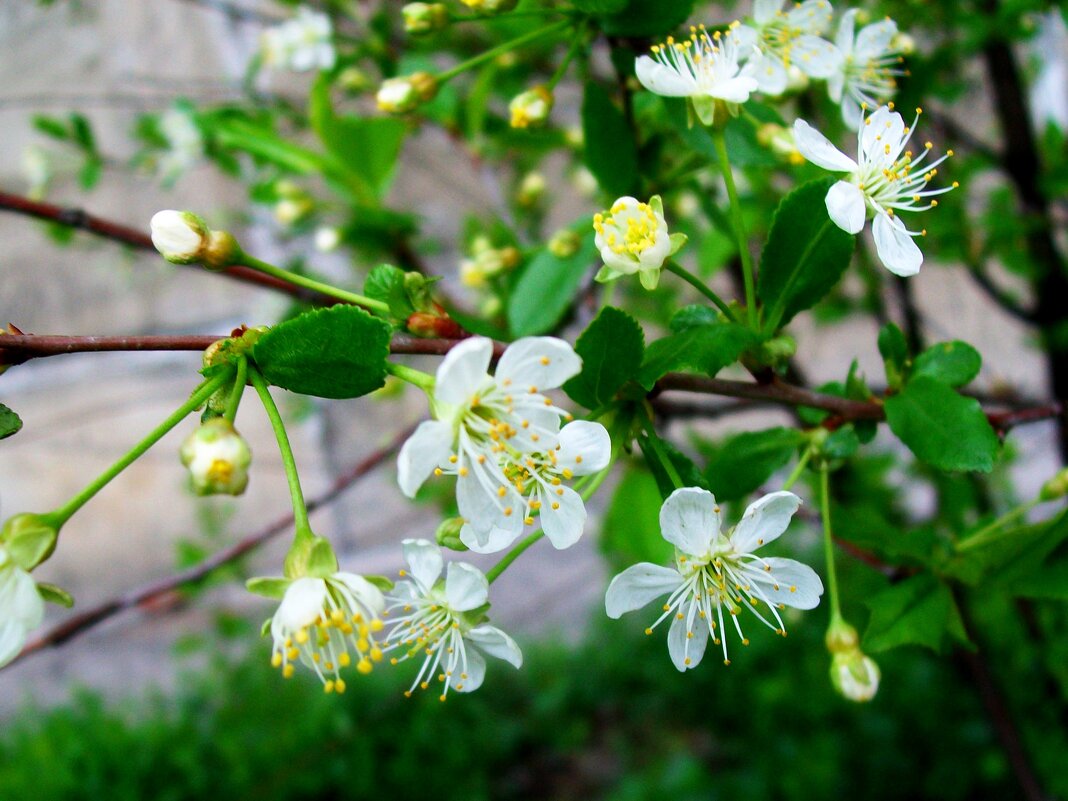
pixel 501 49
pixel 990 532
pixel 199 396
pixel 300 509
pixel 700 286
pixel 310 283
pixel 658 449
pixel 828 542
pixel 796 474
pixel 720 142
pixel 240 381
pixel 418 378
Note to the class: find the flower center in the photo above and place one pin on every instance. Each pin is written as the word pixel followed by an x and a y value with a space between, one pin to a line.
pixel 632 232
pixel 429 627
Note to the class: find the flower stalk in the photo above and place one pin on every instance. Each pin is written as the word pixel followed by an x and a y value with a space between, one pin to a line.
pixel 720 143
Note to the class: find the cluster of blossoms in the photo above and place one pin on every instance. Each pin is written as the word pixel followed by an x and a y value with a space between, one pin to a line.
pixel 300 44
pixel 773 52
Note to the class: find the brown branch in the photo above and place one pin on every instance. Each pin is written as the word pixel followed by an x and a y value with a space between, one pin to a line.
pixel 146 594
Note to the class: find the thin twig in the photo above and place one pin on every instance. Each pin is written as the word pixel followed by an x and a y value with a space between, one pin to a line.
pixel 146 594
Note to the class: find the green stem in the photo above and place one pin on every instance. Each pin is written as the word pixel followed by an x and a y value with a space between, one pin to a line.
pixel 239 389
pixel 300 509
pixel 200 394
pixel 700 286
pixel 310 283
pixel 720 141
pixel 418 378
pixel 658 449
pixel 501 49
pixel 572 51
pixel 828 543
pixel 990 533
pixel 801 465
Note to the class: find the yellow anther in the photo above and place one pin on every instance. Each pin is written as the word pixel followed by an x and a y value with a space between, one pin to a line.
pixel 276 659
pixel 328 687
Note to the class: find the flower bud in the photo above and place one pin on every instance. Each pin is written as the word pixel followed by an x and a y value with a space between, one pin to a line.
pixel 565 243
pixel 405 93
pixel 491 6
pixel 353 80
pixel 448 534
pixel 531 109
pixel 855 676
pixel 780 141
pixel 531 190
pixel 217 458
pixel 434 325
pixel 903 43
pixel 327 238
pixel 1056 487
pixel 841 637
pixel 423 18
pixel 29 539
pixel 180 236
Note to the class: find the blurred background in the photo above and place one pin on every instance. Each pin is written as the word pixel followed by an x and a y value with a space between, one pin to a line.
pixel 176 700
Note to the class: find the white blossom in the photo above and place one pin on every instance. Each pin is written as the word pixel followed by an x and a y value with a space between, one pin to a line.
pixel 633 238
pixel 300 44
pixel 21 607
pixel 885 178
pixel 871 64
pixel 442 621
pixel 328 624
pixel 789 38
pixel 716 573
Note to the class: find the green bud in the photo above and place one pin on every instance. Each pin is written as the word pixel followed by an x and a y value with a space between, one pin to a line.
pixel 565 243
pixel 531 109
pixel 217 458
pixel 841 637
pixel 406 92
pixel 855 675
pixel 1056 487
pixel 424 18
pixel 448 534
pixel 29 539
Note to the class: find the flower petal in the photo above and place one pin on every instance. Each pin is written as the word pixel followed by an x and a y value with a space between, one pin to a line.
pixel 797 583
pixel 496 643
pixel 563 516
pixel 467 679
pixel 815 147
pixel 689 520
pixel 12 638
pixel 428 446
pixel 686 652
pixel 846 26
pixel 585 447
pixel 846 206
pixel 19 598
pixel 898 253
pixel 770 73
pixel 764 521
pixel 363 591
pixel 662 80
pixel 466 587
pixel 816 57
pixel 874 40
pixel 637 586
pixel 300 606
pixel 542 362
pixel 492 541
pixel 481 506
pixel 424 561
pixel 463 371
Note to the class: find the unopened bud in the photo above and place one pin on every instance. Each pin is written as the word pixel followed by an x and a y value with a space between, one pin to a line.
pixel 565 243
pixel 531 109
pixel 290 210
pixel 327 238
pixel 531 190
pixel 855 675
pixel 28 539
pixel 217 458
pixel 448 534
pixel 1056 487
pixel 841 637
pixel 903 44
pixel 423 18
pixel 405 93
pixel 182 237
pixel 780 141
pixel 491 6
pixel 353 79
pixel 434 325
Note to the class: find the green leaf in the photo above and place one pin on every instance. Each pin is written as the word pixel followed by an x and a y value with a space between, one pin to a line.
pixel 694 315
pixel 689 473
pixel 54 594
pixel 600 7
pixel 547 286
pixel 631 530
pixel 51 126
pixel 10 422
pixel 648 17
pixel 611 153
pixel 805 255
pixel 386 283
pixel 841 444
pixel 742 463
pixel 953 363
pixel 895 352
pixel 917 611
pixel 706 349
pixel 339 352
pixel 611 348
pixel 1009 556
pixel 942 428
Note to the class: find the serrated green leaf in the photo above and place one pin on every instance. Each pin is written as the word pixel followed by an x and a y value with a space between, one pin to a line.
pixel 611 348
pixel 10 422
pixel 338 352
pixel 705 349
pixel 631 530
pixel 805 255
pixel 953 363
pixel 547 286
pixel 648 17
pixel 611 153
pixel 386 283
pixel 944 429
pixel 917 611
pixel 742 463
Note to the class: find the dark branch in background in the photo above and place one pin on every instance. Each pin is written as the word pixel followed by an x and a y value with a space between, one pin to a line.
pixel 1002 298
pixel 236 12
pixel 146 594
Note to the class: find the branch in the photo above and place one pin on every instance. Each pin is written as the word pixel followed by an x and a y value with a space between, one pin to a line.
pixel 146 594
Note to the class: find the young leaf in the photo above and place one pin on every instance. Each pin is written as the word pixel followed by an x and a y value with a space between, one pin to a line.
pixel 706 349
pixel 339 352
pixel 386 283
pixel 917 611
pixel 805 255
pixel 10 423
pixel 611 348
pixel 745 461
pixel 954 363
pixel 942 428
pixel 611 152
pixel 547 287
pixel 631 530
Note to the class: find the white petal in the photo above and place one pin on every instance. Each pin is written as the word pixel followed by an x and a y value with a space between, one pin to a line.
pixel 815 147
pixel 564 524
pixel 19 599
pixel 482 508
pixel 682 648
pixel 689 520
pixel 852 113
pixel 361 589
pixel 874 40
pixel 466 587
pixel 496 643
pixel 585 447
pixel 883 127
pixel 798 585
pixel 846 27
pixel 463 371
pixel 766 10
pixel 492 541
pixel 468 679
pixel 12 638
pixel 816 57
pixel 300 606
pixel 846 206
pixel 542 362
pixel 769 72
pixel 637 586
pixel 764 521
pixel 428 447
pixel 736 90
pixel 424 561
pixel 811 16
pixel 662 80
pixel 745 38
pixel 898 253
